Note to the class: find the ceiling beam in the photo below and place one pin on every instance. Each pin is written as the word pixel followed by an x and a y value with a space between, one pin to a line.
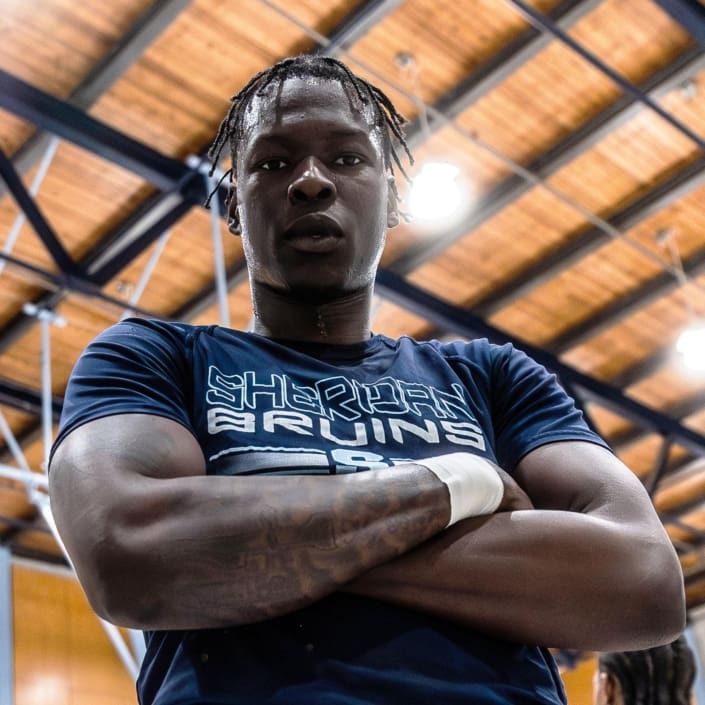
pixel 644 368
pixel 689 13
pixel 548 163
pixel 76 126
pixel 682 410
pixel 575 250
pixel 546 24
pixel 27 204
pixel 356 25
pixel 21 398
pixel 62 285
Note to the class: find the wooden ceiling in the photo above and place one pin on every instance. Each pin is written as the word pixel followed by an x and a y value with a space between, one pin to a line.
pixel 579 130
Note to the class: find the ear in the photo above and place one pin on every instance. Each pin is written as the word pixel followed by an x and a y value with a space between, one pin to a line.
pixel 611 689
pixel 233 215
pixel 392 203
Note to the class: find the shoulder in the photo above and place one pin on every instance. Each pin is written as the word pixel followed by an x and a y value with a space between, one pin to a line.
pixel 146 335
pixel 150 329
pixel 479 351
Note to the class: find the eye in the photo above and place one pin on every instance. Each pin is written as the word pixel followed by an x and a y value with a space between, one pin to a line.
pixel 273 164
pixel 348 160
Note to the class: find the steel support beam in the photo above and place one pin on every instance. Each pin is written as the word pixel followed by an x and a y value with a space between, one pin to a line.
pixel 131 242
pixel 646 367
pixel 17 525
pixel 452 318
pixel 76 126
pixel 27 204
pixel 360 21
pixel 19 325
pixel 682 410
pixel 691 15
pixel 25 399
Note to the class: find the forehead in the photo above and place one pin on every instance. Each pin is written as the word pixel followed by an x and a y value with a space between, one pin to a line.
pixel 299 106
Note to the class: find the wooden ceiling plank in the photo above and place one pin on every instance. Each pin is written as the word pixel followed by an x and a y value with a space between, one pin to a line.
pixel 625 306
pixel 495 70
pixel 575 250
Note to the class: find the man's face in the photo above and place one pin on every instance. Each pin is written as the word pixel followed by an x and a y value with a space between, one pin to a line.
pixel 312 197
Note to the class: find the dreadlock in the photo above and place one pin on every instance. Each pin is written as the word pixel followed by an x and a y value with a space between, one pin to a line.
pixel 660 676
pixel 387 120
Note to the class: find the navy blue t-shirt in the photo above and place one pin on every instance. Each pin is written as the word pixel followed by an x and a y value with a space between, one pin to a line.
pixel 261 406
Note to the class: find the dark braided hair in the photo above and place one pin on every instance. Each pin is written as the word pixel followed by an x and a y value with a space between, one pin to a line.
pixel 386 119
pixel 660 676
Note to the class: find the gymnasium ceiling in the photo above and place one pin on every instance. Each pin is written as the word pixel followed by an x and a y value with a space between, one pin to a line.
pixel 578 127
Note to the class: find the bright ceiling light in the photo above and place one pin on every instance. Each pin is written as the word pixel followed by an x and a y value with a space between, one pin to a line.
pixel 435 193
pixel 691 345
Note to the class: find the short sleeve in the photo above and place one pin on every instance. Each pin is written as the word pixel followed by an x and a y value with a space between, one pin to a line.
pixel 133 367
pixel 530 408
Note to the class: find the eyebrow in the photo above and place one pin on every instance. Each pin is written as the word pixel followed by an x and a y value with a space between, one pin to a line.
pixel 283 137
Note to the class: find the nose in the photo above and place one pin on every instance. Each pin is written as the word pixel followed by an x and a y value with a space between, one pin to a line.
pixel 311 183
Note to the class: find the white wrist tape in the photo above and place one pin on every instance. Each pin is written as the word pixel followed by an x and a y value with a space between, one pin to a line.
pixel 474 484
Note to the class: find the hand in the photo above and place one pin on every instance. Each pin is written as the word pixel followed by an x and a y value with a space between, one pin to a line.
pixel 514 497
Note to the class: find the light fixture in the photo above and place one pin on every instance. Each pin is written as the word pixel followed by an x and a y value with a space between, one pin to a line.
pixel 691 346
pixel 435 193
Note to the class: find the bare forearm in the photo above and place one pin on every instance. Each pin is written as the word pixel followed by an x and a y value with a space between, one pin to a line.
pixel 214 551
pixel 542 577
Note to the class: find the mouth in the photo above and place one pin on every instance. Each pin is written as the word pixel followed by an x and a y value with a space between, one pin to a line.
pixel 315 233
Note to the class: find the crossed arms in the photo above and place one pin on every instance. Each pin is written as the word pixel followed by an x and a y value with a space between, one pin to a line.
pixel 590 567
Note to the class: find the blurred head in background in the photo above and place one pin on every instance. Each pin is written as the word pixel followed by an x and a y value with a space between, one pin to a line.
pixel 663 675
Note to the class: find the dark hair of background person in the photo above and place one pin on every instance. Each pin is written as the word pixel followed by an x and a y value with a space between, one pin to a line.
pixel 663 675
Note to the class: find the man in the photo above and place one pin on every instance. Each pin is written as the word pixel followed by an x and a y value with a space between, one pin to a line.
pixel 310 513
pixel 662 675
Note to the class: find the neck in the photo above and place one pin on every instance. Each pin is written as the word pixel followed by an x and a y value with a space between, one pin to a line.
pixel 340 321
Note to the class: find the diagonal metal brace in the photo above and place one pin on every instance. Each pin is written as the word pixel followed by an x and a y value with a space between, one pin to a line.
pixel 61 257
